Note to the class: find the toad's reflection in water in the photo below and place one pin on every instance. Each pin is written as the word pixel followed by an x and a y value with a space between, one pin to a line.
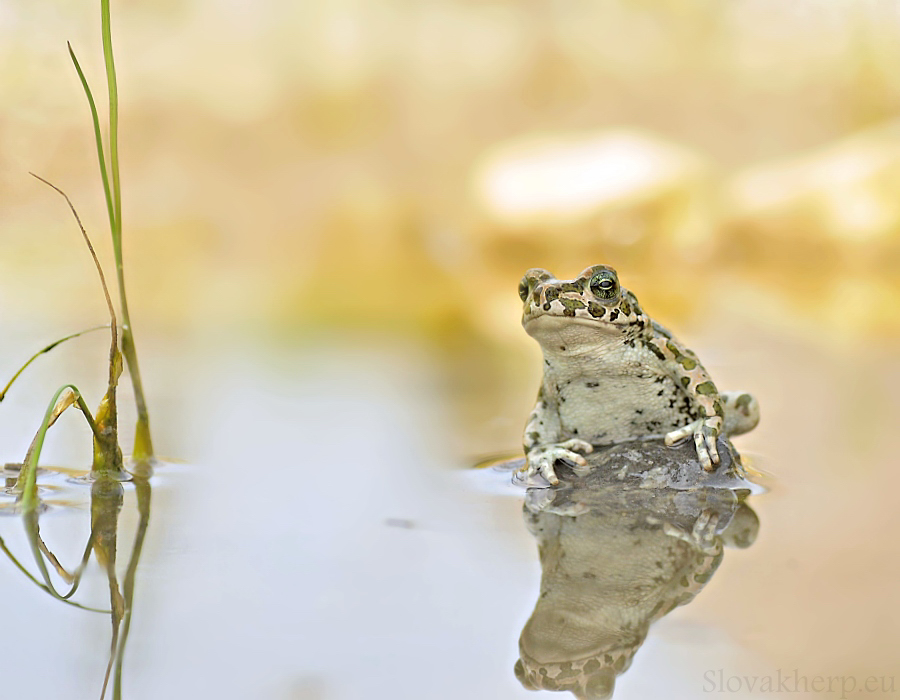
pixel 106 503
pixel 638 536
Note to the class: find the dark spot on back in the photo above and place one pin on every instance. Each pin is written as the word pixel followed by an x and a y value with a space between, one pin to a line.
pixel 655 350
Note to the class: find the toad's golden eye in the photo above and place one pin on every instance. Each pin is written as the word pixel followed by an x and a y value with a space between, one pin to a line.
pixel 523 289
pixel 605 285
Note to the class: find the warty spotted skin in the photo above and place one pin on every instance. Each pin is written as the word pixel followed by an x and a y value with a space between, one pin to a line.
pixel 612 374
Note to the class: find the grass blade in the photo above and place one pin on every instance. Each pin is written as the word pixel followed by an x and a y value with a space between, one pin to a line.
pixel 98 137
pixel 46 349
pixel 143 445
pixel 113 90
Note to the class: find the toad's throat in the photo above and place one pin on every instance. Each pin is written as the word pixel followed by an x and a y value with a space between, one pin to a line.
pixel 541 322
pixel 567 336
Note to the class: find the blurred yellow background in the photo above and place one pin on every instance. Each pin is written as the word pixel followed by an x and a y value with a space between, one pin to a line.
pixel 399 165
pixel 392 169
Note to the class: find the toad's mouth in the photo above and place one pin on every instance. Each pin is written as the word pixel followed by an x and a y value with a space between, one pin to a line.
pixel 555 321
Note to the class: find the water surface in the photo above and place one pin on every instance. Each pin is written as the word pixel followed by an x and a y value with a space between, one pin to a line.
pixel 325 539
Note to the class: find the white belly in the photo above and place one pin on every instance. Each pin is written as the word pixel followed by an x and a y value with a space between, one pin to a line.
pixel 604 409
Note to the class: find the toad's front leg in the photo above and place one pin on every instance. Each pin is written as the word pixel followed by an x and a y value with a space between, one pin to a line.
pixel 690 375
pixel 741 416
pixel 542 458
pixel 705 432
pixel 543 447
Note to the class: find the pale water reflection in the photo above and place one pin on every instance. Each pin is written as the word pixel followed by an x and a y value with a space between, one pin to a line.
pixel 641 534
pixel 273 565
pixel 324 543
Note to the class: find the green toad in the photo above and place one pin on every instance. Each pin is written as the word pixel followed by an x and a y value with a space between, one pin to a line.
pixel 611 374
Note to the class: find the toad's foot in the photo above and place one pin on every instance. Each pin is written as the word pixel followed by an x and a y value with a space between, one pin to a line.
pixel 705 432
pixel 741 412
pixel 702 536
pixel 551 501
pixel 542 458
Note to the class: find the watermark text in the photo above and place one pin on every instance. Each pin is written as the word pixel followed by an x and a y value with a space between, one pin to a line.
pixel 720 681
